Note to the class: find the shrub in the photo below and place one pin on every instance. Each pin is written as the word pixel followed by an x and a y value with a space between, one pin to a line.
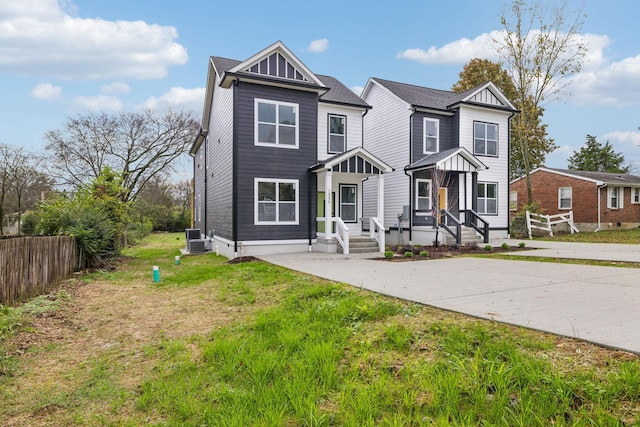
pixel 388 254
pixel 471 245
pixel 424 254
pixel 30 221
pixel 505 246
pixel 488 248
pixel 522 244
pixel 408 254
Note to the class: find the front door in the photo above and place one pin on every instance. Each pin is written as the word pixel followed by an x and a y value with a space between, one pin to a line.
pixel 442 201
pixel 321 208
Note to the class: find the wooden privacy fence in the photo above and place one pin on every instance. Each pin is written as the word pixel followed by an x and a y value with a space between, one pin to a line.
pixel 29 266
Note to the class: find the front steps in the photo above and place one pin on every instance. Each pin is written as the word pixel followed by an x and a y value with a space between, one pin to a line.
pixel 360 244
pixel 469 235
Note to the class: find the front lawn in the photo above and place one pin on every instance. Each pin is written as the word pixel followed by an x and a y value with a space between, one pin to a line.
pixel 631 236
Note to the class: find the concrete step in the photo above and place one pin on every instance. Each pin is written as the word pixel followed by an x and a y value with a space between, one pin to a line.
pixel 360 244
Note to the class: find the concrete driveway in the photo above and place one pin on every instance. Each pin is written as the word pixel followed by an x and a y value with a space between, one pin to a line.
pixel 596 304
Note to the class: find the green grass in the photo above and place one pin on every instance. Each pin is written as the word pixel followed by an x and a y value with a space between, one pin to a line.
pixel 308 352
pixel 631 236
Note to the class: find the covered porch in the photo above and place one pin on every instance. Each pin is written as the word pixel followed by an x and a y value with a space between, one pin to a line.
pixel 340 202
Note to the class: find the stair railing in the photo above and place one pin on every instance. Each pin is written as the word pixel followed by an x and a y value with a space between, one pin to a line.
pixel 444 222
pixel 342 234
pixel 473 220
pixel 376 232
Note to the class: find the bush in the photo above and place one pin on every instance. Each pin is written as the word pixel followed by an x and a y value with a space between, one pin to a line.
pixel 488 248
pixel 522 244
pixel 29 221
pixel 505 246
pixel 408 254
pixel 388 254
pixel 424 254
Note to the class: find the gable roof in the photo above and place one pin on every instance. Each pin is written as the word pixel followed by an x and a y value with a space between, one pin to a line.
pixel 453 159
pixel 437 99
pixel 341 163
pixel 599 178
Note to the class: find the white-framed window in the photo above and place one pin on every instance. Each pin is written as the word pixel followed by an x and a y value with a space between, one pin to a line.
pixel 635 195
pixel 565 197
pixel 337 139
pixel 485 139
pixel 488 198
pixel 423 196
pixel 349 202
pixel 431 136
pixel 614 197
pixel 276 123
pixel 513 200
pixel 276 201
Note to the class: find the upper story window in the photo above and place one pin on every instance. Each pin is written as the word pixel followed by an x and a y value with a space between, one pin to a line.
pixel 423 196
pixel 431 136
pixel 488 198
pixel 276 201
pixel 485 139
pixel 276 123
pixel 635 195
pixel 337 134
pixel 614 198
pixel 565 197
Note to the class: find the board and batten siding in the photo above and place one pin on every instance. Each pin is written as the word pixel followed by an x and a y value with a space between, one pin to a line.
pixel 386 136
pixel 220 164
pixel 498 167
pixel 274 162
pixel 353 127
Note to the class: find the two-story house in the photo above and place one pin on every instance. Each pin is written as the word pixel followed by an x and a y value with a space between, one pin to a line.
pixel 450 155
pixel 279 162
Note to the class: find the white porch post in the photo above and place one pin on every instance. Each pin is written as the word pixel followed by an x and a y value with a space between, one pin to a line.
pixel 381 198
pixel 327 204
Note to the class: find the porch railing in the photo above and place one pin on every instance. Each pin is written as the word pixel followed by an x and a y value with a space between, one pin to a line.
pixel 376 232
pixel 342 234
pixel 473 220
pixel 449 221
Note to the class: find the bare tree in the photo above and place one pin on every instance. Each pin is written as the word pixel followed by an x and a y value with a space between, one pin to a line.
pixel 26 180
pixel 541 49
pixel 441 179
pixel 139 146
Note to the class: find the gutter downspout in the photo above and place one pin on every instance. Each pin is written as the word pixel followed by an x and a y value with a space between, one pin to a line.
pixel 598 188
pixel 206 187
pixel 310 210
pixel 413 112
pixel 234 184
pixel 508 178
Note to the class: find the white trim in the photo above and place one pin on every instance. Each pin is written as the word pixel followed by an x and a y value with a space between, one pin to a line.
pixel 354 204
pixel 619 196
pixel 635 190
pixel 372 81
pixel 256 202
pixel 513 201
pixel 424 135
pixel 497 212
pixel 486 139
pixel 560 207
pixel 570 175
pixel 430 207
pixel 256 124
pixel 344 133
pixel 495 91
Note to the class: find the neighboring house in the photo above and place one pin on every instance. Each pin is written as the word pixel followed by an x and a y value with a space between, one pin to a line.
pixel 275 140
pixel 599 200
pixel 448 147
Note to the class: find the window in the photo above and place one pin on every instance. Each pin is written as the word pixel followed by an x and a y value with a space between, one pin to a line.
pixel 348 203
pixel 423 196
pixel 564 197
pixel 276 123
pixel 276 201
pixel 337 134
pixel 635 195
pixel 485 139
pixel 431 136
pixel 487 198
pixel 614 197
pixel 513 200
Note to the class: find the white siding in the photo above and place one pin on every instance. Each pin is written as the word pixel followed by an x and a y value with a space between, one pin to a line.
pixel 353 125
pixel 498 166
pixel 386 136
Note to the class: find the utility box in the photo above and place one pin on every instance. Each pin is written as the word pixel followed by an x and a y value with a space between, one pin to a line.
pixel 192 233
pixel 195 246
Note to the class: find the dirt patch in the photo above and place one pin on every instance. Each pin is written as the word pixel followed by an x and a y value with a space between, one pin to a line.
pixel 242 259
pixel 441 252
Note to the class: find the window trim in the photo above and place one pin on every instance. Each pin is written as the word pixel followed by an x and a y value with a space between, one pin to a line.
pixel 256 124
pixel 344 135
pixel 417 197
pixel 497 140
pixel 355 204
pixel 513 201
pixel 619 197
pixel 424 135
pixel 560 198
pixel 635 191
pixel 485 183
pixel 256 204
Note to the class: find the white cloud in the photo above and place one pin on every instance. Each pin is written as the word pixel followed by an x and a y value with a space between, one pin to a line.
pixel 98 103
pixel 116 87
pixel 623 137
pixel 46 91
pixel 188 99
pixel 317 46
pixel 456 52
pixel 357 90
pixel 39 37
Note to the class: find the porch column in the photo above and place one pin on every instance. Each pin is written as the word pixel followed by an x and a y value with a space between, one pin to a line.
pixel 328 220
pixel 381 198
pixel 474 191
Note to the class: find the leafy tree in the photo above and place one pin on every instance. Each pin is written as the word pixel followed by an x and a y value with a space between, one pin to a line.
pixel 478 72
pixel 165 203
pixel 540 48
pixel 593 156
pixel 137 146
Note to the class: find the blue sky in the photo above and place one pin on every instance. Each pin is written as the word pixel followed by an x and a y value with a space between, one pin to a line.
pixel 59 58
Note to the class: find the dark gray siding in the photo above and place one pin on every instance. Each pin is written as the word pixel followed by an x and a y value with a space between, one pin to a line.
pixel 199 196
pixel 453 197
pixel 274 162
pixel 448 136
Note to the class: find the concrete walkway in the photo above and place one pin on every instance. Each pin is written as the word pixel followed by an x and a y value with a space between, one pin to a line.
pixel 596 304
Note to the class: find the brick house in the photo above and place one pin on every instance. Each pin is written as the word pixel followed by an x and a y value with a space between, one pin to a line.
pixel 599 200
